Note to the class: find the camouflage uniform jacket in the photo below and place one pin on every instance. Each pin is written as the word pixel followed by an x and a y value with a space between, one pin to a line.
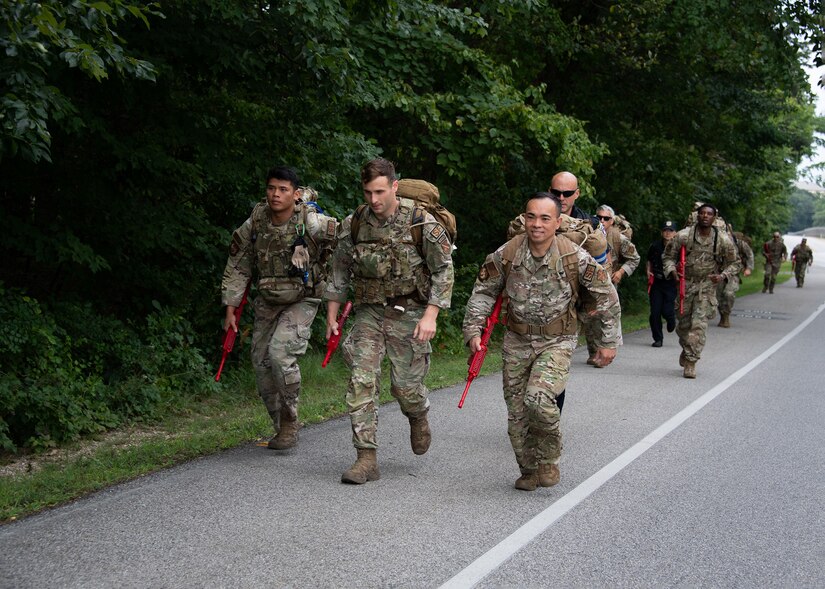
pixel 539 293
pixel 745 254
pixel 259 244
pixel 802 254
pixel 714 254
pixel 386 263
pixel 774 252
pixel 623 254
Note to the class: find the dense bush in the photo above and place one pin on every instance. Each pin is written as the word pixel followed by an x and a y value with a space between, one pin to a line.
pixel 68 371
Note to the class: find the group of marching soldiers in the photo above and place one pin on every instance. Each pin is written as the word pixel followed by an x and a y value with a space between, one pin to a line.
pixel 559 268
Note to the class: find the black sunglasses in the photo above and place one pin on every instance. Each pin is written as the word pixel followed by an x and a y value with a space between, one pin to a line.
pixel 564 193
pixel 604 218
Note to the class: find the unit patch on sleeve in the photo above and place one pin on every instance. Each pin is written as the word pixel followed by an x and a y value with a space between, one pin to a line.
pixel 589 273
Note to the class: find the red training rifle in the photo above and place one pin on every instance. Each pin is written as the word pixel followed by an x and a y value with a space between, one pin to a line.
pixel 334 339
pixel 477 359
pixel 231 334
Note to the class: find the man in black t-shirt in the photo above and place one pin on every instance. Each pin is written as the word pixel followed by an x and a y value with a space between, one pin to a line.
pixel 662 291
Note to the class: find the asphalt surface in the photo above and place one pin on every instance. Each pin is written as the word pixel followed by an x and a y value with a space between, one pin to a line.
pixel 713 482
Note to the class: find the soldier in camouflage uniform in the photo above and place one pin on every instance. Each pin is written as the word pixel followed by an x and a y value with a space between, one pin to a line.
pixel 540 275
pixel 400 286
pixel 775 253
pixel 726 289
pixel 623 261
pixel 710 257
pixel 284 242
pixel 802 257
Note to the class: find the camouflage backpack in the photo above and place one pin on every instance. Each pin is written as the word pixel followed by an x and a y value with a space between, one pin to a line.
pixel 624 226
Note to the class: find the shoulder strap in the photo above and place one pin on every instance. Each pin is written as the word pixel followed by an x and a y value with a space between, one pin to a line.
pixel 570 261
pixel 355 222
pixel 508 254
pixel 417 228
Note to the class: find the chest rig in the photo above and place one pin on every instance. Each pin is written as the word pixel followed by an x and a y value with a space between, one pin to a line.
pixel 387 263
pixel 279 282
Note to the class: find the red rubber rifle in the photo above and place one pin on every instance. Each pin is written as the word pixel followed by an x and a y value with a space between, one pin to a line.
pixel 231 334
pixel 681 272
pixel 477 359
pixel 334 339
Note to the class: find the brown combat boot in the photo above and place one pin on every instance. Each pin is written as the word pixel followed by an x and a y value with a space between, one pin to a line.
pixel 724 320
pixel 420 436
pixel 690 369
pixel 364 469
pixel 527 482
pixel 549 475
pixel 288 433
pixel 682 359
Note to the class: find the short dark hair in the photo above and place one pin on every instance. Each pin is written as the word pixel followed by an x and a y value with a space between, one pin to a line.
pixel 542 194
pixel 284 173
pixel 378 167
pixel 707 205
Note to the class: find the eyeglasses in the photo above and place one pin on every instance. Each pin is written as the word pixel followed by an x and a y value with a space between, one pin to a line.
pixel 604 218
pixel 563 193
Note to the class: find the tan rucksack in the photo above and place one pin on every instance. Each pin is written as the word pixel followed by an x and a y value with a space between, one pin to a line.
pixel 624 226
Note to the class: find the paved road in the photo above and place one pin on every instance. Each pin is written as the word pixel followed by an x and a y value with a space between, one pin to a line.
pixel 713 482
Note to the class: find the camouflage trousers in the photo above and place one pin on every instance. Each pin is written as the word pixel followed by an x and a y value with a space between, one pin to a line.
pixel 535 372
pixel 771 270
pixel 280 336
pixel 377 331
pixel 799 272
pixel 726 294
pixel 692 325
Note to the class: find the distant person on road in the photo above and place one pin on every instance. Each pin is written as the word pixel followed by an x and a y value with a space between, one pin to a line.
pixel 661 290
pixel 623 261
pixel 400 286
pixel 285 240
pixel 710 257
pixel 726 290
pixel 540 275
pixel 802 257
pixel 775 253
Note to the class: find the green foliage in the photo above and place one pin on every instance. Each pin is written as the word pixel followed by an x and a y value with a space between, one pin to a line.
pixel 803 204
pixel 68 372
pixel 38 38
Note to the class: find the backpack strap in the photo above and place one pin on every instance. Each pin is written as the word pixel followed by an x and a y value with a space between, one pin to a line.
pixel 355 222
pixel 570 262
pixel 417 228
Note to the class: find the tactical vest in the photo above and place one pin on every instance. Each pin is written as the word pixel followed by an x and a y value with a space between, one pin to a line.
pixel 717 257
pixel 386 261
pixel 279 282
pixel 566 324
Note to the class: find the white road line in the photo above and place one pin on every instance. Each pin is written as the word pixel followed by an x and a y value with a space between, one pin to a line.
pixel 496 556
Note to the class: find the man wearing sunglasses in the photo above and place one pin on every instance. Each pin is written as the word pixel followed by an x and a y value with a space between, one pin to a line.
pixel 565 186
